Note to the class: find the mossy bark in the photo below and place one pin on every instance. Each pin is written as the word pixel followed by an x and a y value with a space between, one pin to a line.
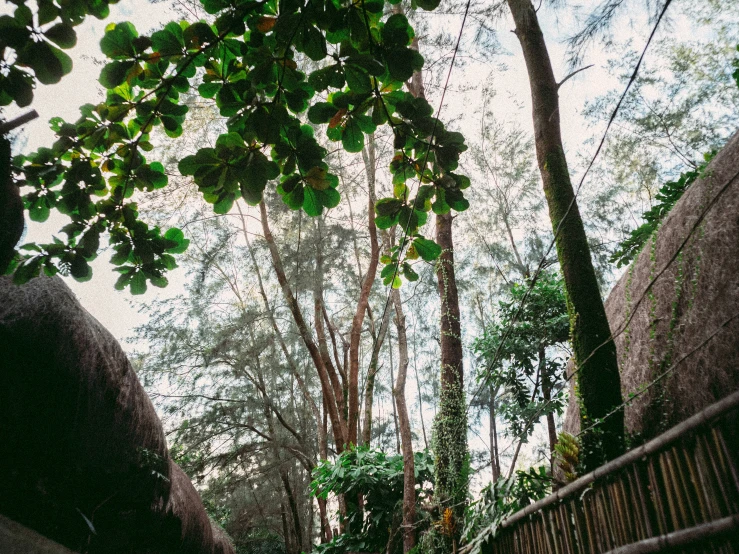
pixel 598 380
pixel 450 424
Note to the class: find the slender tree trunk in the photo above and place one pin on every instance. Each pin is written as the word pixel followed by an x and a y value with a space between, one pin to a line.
pixel 285 528
pixel 355 333
pixel 546 391
pixel 494 453
pixel 409 478
pixel 599 384
pixel 339 429
pixel 450 424
pixel 339 388
pixel 282 469
pixel 418 387
pixel 369 386
pixel 392 400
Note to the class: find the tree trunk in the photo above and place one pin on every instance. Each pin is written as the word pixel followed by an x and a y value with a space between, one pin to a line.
pixel 284 476
pixel 450 424
pixel 339 430
pixel 598 379
pixel 546 391
pixel 369 386
pixel 355 333
pixel 409 478
pixel 420 399
pixel 392 400
pixel 494 453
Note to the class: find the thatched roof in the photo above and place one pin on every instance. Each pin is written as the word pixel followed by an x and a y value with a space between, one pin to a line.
pixel 684 327
pixel 83 458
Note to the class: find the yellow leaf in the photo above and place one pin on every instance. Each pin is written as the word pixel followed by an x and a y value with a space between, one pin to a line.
pixel 316 178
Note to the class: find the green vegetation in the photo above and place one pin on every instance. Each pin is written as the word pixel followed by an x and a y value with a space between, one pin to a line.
pixel 378 479
pixel 254 60
pixel 229 144
pixel 665 199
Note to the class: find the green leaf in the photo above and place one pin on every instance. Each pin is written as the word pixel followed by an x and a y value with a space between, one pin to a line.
pixel 48 62
pixel 169 41
pixel 388 206
pixel 114 73
pixel 409 273
pixel 403 62
pixel 223 205
pixel 209 90
pixel 321 112
pixel 312 206
pixel 428 5
pixel 62 34
pixel 396 31
pixel 118 40
pixel 80 269
pixel 427 249
pixel 352 137
pixel 310 41
pixel 177 236
pixel 386 221
pixel 138 283
pixel 357 79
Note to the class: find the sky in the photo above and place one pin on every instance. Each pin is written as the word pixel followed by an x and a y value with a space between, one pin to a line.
pixel 114 308
pixel 118 311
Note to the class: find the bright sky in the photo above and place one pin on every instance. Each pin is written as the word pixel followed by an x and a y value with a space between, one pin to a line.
pixel 118 310
pixel 113 308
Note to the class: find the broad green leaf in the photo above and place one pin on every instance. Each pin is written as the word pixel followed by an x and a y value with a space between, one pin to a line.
pixel 388 206
pixel 138 283
pixel 321 112
pixel 62 34
pixel 118 40
pixel 397 31
pixel 114 73
pixel 352 137
pixel 427 249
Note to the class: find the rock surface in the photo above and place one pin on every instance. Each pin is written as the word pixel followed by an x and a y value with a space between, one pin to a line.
pixel 675 313
pixel 83 457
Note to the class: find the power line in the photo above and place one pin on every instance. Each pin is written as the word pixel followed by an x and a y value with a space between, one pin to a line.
pixel 540 266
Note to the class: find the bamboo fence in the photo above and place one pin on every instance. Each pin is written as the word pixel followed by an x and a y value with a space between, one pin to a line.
pixel 677 493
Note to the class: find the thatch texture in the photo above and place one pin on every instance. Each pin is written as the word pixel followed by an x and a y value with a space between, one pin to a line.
pixel 683 328
pixel 83 458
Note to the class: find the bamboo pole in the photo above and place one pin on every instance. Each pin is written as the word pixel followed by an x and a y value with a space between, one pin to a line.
pixel 657 444
pixel 683 537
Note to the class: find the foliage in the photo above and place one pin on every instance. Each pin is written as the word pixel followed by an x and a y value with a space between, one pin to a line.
pixel 379 479
pixel 666 198
pixel 449 441
pixel 32 44
pixel 499 500
pixel 567 456
pixel 511 346
pixel 254 62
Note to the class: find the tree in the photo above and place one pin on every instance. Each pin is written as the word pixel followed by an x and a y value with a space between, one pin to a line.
pixel 247 63
pixel 514 353
pixel 598 380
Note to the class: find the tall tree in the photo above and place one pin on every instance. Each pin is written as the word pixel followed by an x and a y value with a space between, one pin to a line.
pixel 406 444
pixel 598 380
